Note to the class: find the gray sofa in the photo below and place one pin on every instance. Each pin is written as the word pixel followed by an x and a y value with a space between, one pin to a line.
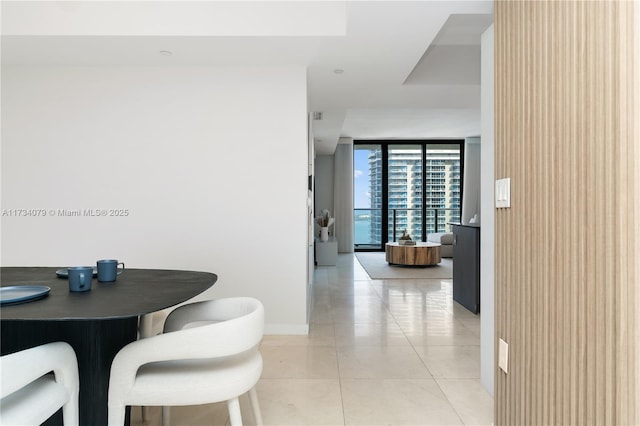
pixel 446 240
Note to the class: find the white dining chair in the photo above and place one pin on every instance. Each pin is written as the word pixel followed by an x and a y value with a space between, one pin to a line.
pixel 208 353
pixel 150 325
pixel 30 395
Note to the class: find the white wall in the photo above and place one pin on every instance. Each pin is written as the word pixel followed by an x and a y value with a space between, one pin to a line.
pixel 211 164
pixel 487 244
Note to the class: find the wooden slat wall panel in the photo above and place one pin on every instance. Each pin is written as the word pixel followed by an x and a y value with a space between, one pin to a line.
pixel 632 125
pixel 567 250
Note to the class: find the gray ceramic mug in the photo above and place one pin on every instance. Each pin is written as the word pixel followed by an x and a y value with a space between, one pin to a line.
pixel 108 270
pixel 80 278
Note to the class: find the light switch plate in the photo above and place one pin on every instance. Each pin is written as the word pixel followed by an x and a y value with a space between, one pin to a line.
pixel 503 193
pixel 503 355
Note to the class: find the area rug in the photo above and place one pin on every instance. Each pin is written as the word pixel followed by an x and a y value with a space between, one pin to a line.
pixel 378 268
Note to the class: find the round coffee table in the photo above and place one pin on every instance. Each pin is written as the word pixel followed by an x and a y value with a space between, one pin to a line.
pixel 420 254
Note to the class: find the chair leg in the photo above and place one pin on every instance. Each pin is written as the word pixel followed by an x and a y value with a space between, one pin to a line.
pixel 235 417
pixel 253 399
pixel 166 415
pixel 116 415
pixel 71 411
pixel 145 413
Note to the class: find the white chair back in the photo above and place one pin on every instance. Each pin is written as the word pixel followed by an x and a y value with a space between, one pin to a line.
pixel 30 395
pixel 207 353
pixel 236 324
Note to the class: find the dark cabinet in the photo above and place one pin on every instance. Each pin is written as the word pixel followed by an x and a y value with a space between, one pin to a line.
pixel 466 266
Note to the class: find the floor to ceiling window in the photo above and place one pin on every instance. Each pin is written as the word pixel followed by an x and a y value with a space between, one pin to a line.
pixel 368 194
pixel 412 186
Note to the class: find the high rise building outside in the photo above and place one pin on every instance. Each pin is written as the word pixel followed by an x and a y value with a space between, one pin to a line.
pixel 405 190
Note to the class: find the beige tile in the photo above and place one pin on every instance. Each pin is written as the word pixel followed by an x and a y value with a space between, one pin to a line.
pixel 464 339
pixel 418 297
pixel 321 297
pixel 384 362
pixel 470 400
pixel 433 328
pixel 396 402
pixel 416 315
pixel 420 310
pixel 415 285
pixel 299 362
pixel 353 267
pixel 451 362
pixel 209 414
pixel 319 335
pixel 473 325
pixel 300 402
pixel 423 285
pixel 361 313
pixel 405 290
pixel 357 302
pixel 370 334
pixel 321 314
pixel 352 289
pixel 422 304
pixel 192 415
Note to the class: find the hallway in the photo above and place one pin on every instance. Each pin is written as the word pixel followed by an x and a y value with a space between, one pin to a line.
pixel 379 352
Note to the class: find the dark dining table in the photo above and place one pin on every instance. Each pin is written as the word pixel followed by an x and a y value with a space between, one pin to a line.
pixel 96 323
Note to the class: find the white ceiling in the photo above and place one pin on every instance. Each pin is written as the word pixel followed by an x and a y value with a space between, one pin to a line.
pixel 411 68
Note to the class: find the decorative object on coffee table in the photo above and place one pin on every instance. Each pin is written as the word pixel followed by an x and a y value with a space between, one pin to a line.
pixel 405 239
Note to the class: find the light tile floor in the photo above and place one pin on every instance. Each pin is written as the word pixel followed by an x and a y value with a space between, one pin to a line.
pixel 379 352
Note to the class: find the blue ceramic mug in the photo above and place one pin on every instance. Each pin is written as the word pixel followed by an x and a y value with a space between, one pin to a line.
pixel 80 278
pixel 108 270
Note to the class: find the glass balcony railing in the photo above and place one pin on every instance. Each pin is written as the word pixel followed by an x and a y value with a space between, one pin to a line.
pixel 437 220
pixel 368 224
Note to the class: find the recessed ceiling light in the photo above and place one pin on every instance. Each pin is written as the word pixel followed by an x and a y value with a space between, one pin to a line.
pixel 338 71
pixel 166 53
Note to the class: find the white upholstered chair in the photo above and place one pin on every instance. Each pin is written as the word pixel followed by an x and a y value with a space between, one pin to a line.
pixel 150 325
pixel 30 395
pixel 207 353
